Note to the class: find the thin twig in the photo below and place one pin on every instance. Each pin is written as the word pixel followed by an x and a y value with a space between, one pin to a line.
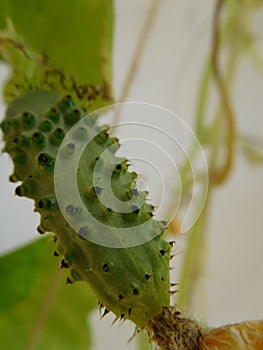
pixel 143 37
pixel 21 46
pixel 44 311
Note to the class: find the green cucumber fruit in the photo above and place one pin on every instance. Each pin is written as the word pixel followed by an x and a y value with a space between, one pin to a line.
pixel 132 282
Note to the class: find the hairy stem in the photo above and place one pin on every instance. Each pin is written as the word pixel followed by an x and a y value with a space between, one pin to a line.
pixel 173 332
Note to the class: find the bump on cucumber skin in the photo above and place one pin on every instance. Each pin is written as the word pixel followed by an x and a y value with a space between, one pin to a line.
pixel 131 282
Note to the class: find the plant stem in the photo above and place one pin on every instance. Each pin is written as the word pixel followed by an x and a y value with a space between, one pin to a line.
pixel 136 59
pixel 194 253
pixel 44 311
pixel 202 99
pixel 193 256
pixel 221 174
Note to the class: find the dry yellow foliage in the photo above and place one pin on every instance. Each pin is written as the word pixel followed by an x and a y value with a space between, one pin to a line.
pixel 242 336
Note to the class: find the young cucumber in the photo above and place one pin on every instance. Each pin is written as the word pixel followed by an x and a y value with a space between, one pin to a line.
pixel 131 282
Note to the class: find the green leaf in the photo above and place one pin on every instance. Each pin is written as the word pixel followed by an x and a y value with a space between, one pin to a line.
pixel 38 310
pixel 76 36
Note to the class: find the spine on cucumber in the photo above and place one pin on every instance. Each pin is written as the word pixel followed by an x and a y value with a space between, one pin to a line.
pixel 131 282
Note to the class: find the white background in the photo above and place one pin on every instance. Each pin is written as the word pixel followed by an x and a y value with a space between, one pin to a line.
pixel 168 75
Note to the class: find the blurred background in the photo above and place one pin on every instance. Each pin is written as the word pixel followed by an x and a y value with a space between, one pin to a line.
pixel 168 73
